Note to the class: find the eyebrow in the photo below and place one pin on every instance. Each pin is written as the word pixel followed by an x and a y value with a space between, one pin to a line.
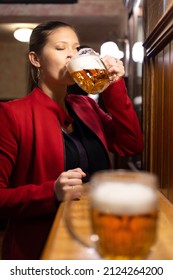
pixel 65 42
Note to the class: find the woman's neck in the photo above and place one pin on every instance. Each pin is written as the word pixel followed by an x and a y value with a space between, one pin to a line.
pixel 58 94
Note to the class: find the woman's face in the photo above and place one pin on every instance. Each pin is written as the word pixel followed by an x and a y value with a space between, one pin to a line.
pixel 61 45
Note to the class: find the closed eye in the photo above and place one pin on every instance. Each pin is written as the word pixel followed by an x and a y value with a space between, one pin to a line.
pixel 60 49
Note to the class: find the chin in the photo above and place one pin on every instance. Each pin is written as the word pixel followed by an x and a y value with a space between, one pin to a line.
pixel 69 80
pixel 70 83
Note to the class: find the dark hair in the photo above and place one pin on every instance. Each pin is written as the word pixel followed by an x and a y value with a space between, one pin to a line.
pixel 37 41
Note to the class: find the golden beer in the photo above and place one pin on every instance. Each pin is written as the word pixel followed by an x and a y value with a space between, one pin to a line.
pixel 124 218
pixel 88 71
pixel 91 80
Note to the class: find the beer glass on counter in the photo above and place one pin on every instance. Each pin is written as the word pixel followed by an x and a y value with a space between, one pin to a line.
pixel 88 71
pixel 123 209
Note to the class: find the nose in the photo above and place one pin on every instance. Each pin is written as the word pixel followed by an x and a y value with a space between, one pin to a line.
pixel 72 52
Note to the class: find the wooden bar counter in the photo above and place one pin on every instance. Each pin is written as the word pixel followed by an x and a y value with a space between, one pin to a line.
pixel 61 246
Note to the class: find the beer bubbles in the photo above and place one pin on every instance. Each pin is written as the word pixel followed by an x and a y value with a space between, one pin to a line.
pixel 124 213
pixel 88 71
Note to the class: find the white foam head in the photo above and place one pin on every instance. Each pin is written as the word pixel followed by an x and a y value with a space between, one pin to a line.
pixel 124 198
pixel 84 62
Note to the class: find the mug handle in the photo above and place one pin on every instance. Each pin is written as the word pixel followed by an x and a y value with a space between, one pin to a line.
pixel 71 227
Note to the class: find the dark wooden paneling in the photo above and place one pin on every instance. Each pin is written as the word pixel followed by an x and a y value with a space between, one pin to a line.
pixel 158 101
pixel 170 86
pixel 153 11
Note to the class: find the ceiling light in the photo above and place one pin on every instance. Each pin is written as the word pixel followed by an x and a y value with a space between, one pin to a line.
pixel 111 48
pixel 22 34
pixel 138 52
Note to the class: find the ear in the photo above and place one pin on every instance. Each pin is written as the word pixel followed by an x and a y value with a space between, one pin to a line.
pixel 34 59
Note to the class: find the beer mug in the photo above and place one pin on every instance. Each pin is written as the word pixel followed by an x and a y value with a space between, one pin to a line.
pixel 88 71
pixel 123 210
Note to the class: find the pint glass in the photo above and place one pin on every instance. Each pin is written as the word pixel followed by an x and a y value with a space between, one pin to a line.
pixel 124 211
pixel 88 71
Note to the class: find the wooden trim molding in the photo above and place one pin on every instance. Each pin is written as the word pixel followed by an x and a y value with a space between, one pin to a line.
pixel 161 35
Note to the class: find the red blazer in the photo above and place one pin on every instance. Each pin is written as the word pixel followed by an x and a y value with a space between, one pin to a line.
pixel 32 157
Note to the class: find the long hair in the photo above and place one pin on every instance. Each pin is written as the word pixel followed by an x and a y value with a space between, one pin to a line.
pixel 37 41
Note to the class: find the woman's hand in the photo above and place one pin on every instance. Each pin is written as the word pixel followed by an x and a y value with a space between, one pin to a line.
pixel 67 182
pixel 115 68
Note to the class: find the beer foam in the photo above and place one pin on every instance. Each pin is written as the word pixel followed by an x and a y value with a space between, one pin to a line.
pixel 86 62
pixel 122 198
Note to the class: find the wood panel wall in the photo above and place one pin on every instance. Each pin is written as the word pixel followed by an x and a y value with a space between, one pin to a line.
pixel 158 94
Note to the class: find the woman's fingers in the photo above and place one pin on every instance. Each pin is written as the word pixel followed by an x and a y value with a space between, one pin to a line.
pixel 69 181
pixel 115 68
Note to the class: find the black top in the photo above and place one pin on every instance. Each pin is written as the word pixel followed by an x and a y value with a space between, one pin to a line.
pixel 84 149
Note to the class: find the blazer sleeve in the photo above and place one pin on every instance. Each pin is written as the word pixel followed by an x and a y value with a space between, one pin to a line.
pixel 24 201
pixel 121 124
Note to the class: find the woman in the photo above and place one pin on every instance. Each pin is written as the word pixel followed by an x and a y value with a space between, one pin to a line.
pixel 51 142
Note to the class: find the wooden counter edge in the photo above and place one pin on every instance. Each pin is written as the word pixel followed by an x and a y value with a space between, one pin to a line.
pixel 166 207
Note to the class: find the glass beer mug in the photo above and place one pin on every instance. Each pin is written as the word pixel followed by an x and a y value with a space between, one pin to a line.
pixel 123 211
pixel 88 71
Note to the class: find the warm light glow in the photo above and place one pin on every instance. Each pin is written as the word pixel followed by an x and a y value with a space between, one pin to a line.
pixel 138 52
pixel 111 48
pixel 137 100
pixel 23 34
